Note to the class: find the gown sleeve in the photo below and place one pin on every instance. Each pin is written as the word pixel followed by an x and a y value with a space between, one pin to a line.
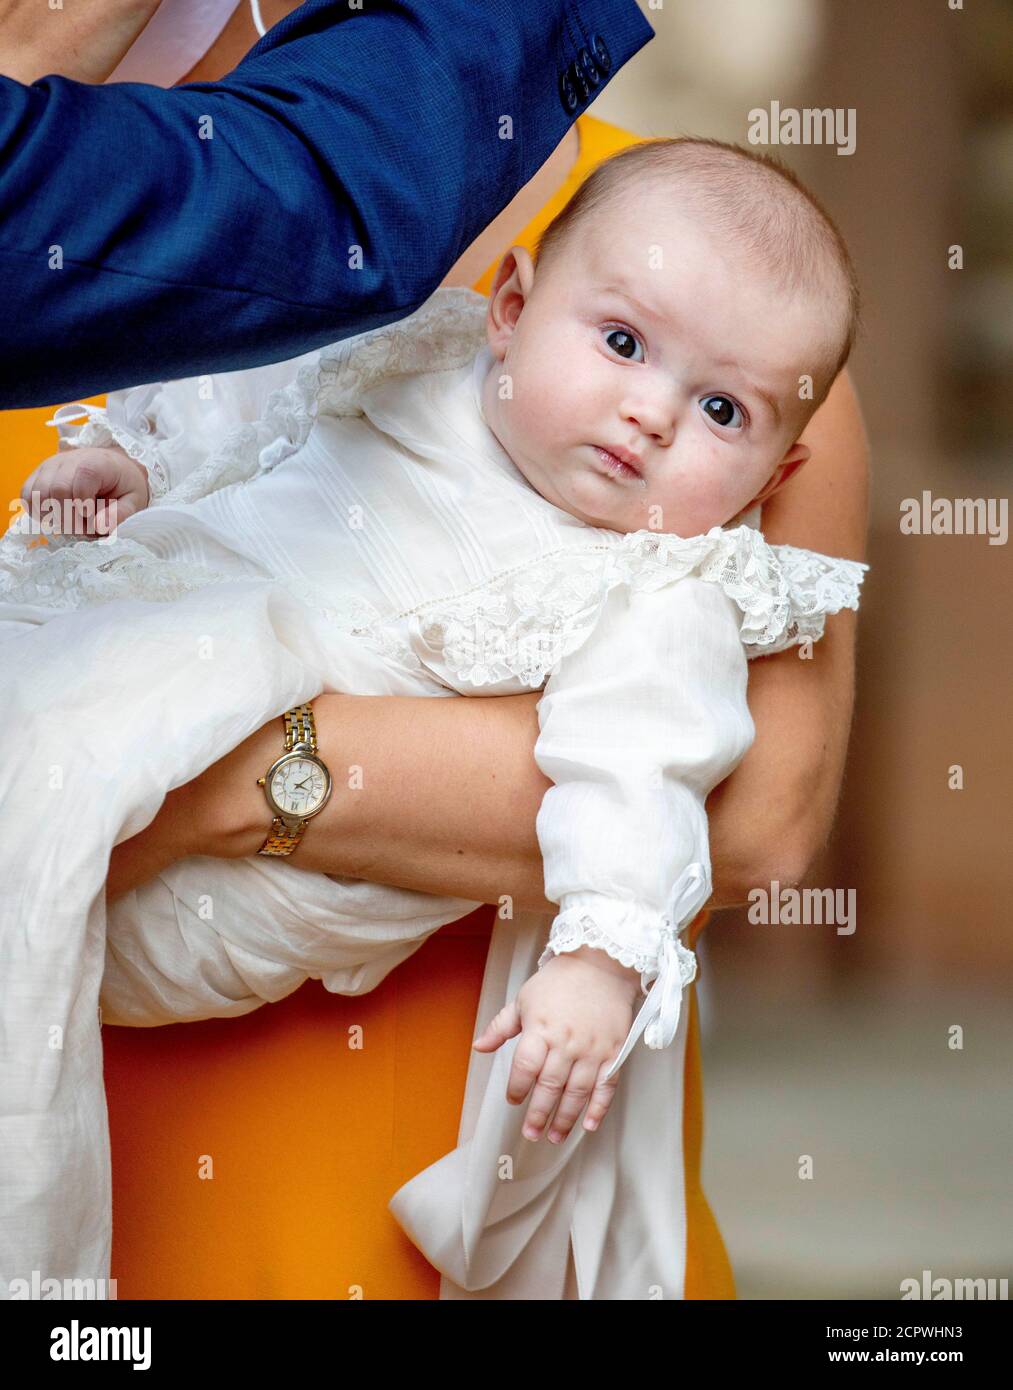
pixel 636 728
pixel 175 428
pixel 198 434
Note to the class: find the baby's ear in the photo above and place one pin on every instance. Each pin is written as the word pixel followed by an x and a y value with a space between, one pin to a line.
pixel 791 463
pixel 511 287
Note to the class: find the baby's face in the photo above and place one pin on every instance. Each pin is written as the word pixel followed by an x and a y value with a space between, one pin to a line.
pixel 667 368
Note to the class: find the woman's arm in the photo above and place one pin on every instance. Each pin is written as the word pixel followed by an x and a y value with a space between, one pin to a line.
pixel 450 791
pixel 450 787
pixel 775 812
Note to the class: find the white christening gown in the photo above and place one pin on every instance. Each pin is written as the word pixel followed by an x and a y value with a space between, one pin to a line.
pixel 348 522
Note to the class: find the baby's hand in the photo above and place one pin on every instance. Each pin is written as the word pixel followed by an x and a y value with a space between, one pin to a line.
pixel 106 485
pixel 573 1016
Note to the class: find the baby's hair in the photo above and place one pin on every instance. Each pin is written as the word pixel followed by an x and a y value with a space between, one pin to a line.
pixel 762 209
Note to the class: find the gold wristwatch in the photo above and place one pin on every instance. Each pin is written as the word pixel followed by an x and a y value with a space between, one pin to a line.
pixel 297 785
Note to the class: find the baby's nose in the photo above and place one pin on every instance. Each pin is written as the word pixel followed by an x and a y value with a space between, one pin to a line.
pixel 656 420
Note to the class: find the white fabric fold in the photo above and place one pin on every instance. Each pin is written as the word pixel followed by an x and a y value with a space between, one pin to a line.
pixel 500 1214
pixel 107 710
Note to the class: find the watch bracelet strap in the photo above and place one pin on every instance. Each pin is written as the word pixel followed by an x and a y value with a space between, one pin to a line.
pixel 300 729
pixel 281 839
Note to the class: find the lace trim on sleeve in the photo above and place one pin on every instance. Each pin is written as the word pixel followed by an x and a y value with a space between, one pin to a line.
pixel 81 572
pixel 443 333
pixel 98 430
pixel 644 940
pixel 785 593
pixel 576 927
pixel 522 623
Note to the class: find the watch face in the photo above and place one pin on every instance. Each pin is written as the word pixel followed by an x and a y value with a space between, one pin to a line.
pixel 299 786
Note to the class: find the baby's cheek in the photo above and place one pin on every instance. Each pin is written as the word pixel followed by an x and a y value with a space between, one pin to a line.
pixel 543 410
pixel 724 483
pixel 698 493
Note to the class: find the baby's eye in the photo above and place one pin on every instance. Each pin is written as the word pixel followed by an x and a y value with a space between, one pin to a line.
pixel 723 411
pixel 625 344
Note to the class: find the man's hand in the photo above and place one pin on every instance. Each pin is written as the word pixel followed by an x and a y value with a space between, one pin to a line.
pixel 82 41
pixel 94 489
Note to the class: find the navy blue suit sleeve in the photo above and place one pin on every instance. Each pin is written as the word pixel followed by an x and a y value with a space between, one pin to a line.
pixel 323 188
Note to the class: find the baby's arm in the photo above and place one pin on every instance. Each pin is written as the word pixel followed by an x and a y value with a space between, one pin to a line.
pixel 194 435
pixel 637 726
pixel 173 440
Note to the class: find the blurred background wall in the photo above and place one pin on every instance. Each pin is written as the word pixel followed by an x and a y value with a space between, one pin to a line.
pixel 838 1047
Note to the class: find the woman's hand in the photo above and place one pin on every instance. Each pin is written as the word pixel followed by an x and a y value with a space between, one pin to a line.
pixel 82 41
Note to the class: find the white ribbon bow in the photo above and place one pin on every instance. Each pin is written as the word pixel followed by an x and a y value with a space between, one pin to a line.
pixel 659 1018
pixel 677 969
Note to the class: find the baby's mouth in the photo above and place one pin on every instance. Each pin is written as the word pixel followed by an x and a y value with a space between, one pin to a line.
pixel 616 467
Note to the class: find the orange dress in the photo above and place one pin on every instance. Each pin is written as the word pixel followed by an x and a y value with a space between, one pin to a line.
pixel 254 1157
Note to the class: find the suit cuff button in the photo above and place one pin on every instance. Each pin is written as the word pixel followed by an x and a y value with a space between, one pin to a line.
pixel 600 53
pixel 568 92
pixel 588 68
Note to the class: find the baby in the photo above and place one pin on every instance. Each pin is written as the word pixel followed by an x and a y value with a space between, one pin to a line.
pixel 562 507
pixel 690 312
pixel 653 367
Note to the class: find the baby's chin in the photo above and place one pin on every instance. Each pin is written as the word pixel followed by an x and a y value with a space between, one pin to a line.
pixel 648 518
pixel 598 501
pixel 613 505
